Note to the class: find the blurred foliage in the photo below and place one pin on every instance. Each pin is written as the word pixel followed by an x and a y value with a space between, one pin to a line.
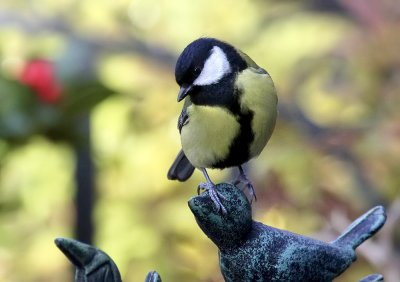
pixel 35 103
pixel 335 151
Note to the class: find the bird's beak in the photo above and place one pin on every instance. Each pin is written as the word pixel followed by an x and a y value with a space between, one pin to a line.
pixel 184 91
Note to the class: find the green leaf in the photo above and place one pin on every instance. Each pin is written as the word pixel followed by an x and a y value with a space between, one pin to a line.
pixel 22 114
pixel 83 98
pixel 17 107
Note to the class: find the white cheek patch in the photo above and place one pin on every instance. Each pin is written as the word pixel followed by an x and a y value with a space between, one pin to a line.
pixel 215 68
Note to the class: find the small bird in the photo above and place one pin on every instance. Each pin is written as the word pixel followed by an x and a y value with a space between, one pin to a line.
pixel 229 112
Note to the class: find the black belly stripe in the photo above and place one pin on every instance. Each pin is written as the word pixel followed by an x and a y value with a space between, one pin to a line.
pixel 239 151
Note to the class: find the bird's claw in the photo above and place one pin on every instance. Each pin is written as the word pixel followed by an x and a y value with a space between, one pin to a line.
pixel 242 179
pixel 214 195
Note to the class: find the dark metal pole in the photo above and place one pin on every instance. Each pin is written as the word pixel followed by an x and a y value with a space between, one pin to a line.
pixel 84 199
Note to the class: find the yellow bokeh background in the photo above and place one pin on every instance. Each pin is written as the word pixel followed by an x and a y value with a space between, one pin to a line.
pixel 334 152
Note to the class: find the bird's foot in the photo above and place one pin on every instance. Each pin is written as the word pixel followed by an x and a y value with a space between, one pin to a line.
pixel 214 195
pixel 242 179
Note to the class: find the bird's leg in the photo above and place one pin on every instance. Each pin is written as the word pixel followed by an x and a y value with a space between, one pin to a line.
pixel 212 191
pixel 242 179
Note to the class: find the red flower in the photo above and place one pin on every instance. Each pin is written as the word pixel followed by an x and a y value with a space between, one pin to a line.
pixel 39 75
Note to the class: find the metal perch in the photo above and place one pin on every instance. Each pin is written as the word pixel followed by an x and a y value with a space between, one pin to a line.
pixel 252 251
pixel 248 250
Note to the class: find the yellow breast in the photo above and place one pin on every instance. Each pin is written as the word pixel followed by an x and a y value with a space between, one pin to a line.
pixel 207 137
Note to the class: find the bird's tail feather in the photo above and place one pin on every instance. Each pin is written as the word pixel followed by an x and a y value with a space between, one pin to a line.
pixel 181 169
pixel 362 228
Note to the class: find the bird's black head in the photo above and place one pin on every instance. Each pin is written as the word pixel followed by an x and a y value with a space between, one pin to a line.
pixel 206 62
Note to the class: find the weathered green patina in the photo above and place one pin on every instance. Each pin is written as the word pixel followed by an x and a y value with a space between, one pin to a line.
pixel 92 264
pixel 252 251
pixel 248 250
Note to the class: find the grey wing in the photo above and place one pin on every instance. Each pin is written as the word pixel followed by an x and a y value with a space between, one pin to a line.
pixel 183 119
pixel 181 169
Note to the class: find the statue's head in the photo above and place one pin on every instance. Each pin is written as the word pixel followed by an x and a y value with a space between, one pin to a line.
pixel 224 229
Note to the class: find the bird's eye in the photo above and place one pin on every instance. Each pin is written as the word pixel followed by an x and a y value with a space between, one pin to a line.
pixel 197 70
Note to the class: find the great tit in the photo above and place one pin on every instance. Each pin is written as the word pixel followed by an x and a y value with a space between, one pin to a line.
pixel 229 111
